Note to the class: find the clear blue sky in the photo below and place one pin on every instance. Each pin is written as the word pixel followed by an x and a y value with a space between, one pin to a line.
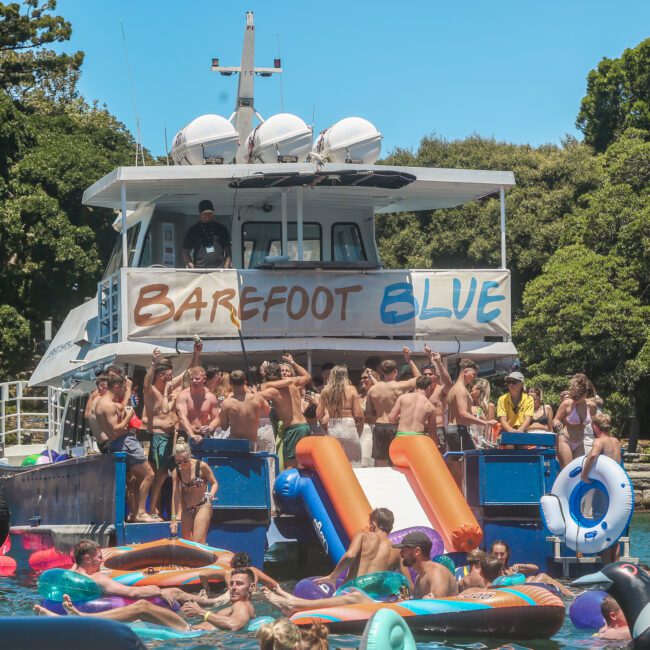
pixel 512 70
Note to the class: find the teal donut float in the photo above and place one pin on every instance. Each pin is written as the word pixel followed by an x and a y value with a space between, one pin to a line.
pixel 382 586
pixel 446 561
pixel 153 632
pixel 387 630
pixel 509 581
pixel 54 583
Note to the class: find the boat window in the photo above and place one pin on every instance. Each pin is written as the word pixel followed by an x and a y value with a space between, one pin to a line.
pixel 261 239
pixel 347 245
pixel 115 261
pixel 74 425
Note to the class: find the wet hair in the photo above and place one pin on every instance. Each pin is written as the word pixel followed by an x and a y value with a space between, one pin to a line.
pixel 182 447
pixel 83 547
pixel 476 556
pixel 244 571
pixel 465 364
pixel 240 561
pixel 315 637
pixel 502 543
pixel 609 606
pixel 491 567
pixel 237 378
pixel 279 635
pixel 604 421
pixel 333 395
pixel 423 382
pixel 578 386
pixel 115 380
pixel 273 371
pixel 211 372
pixel 384 518
pixel 388 367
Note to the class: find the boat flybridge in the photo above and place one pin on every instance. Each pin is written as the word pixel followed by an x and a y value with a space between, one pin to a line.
pixel 306 273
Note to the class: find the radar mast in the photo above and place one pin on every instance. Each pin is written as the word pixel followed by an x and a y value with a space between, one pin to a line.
pixel 242 118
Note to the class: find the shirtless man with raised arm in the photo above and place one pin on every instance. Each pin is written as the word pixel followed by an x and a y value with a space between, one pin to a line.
pixel 197 408
pixel 413 413
pixel 242 411
pixel 459 400
pixel 90 413
pixel 159 383
pixel 113 420
pixel 380 401
pixel 288 405
pixel 441 384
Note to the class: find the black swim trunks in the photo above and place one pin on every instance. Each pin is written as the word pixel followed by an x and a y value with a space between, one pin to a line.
pixel 458 438
pixel 382 435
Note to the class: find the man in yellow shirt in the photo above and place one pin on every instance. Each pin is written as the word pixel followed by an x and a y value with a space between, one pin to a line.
pixel 515 409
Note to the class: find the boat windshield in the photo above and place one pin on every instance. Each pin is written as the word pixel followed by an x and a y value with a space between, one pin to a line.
pixel 264 239
pixel 115 262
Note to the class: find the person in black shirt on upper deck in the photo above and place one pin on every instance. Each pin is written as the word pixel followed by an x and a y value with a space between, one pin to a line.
pixel 207 243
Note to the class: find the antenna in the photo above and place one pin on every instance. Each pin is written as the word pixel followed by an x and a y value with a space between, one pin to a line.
pixel 281 88
pixel 166 147
pixel 242 117
pixel 139 149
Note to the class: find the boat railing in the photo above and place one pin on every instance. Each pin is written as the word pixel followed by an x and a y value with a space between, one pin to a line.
pixel 108 294
pixel 29 415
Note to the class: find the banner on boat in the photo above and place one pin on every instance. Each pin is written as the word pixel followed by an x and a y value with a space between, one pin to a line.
pixel 467 304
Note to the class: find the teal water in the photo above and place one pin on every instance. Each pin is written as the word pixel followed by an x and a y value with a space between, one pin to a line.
pixel 18 594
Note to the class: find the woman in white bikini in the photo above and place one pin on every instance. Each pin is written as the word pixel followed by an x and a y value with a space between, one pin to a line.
pixel 571 419
pixel 339 405
pixel 194 489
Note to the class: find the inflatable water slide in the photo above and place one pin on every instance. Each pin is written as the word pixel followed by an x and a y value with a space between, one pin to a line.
pixel 418 489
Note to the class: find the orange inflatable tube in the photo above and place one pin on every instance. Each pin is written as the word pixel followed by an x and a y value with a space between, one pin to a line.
pixel 456 523
pixel 326 456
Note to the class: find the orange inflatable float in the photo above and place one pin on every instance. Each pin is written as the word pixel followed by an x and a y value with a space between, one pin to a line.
pixel 453 518
pixel 165 563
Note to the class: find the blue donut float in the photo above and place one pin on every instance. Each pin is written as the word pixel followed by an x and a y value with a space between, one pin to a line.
pixel 54 583
pixel 562 509
pixel 382 586
pixel 509 581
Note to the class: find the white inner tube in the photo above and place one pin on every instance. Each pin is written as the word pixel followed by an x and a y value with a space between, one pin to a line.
pixel 563 514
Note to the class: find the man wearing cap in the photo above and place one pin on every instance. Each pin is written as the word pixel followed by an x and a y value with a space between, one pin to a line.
pixel 207 243
pixel 515 409
pixel 434 580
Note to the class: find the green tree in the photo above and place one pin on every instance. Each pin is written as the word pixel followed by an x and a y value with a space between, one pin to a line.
pixel 24 31
pixel 583 314
pixel 618 97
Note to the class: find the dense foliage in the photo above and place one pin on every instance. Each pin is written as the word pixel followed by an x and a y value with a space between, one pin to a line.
pixel 578 219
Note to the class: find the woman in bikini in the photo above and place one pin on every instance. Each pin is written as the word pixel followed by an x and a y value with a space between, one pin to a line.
pixel 543 413
pixel 194 489
pixel 571 419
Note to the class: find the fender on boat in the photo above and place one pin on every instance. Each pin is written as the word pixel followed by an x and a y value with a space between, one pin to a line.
pixel 562 508
pixel 67 633
pixel 457 525
pixel 387 630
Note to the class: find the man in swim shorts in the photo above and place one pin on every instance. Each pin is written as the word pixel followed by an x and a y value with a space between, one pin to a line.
pixel 380 401
pixel 288 406
pixel 459 400
pixel 441 384
pixel 113 420
pixel 616 627
pixel 197 408
pixel 413 413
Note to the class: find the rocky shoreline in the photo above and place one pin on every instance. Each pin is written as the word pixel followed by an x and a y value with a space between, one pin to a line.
pixel 638 469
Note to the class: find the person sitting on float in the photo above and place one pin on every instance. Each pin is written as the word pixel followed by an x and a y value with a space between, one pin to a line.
pixel 616 627
pixel 474 578
pixel 501 551
pixel 571 420
pixel 489 569
pixel 234 618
